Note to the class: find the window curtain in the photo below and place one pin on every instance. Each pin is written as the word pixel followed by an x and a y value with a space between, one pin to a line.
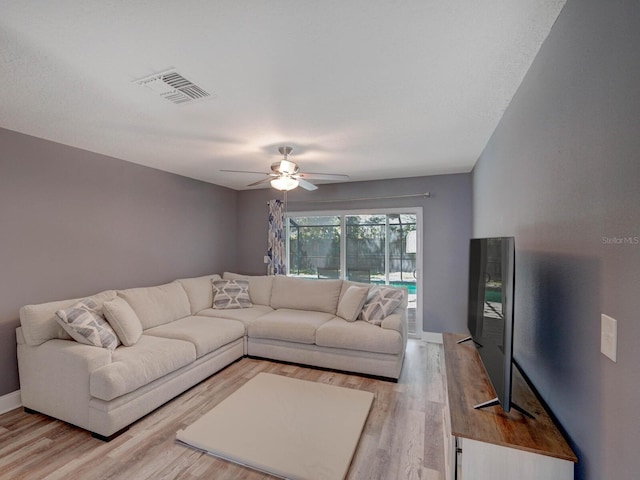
pixel 277 250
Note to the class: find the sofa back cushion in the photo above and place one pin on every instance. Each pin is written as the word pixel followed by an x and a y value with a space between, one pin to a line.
pixel 260 286
pixel 39 322
pixel 199 291
pixel 158 305
pixel 305 294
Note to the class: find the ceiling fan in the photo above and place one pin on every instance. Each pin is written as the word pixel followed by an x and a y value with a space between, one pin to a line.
pixel 285 175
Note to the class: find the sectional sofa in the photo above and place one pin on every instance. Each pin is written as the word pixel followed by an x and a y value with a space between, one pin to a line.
pixel 165 339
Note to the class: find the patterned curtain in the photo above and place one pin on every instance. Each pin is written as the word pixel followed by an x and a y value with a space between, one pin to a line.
pixel 277 248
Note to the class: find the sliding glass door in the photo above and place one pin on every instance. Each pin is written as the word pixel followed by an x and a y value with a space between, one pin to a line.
pixel 365 245
pixel 380 248
pixel 313 246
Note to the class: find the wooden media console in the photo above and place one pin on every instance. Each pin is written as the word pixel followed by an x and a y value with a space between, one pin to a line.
pixel 489 443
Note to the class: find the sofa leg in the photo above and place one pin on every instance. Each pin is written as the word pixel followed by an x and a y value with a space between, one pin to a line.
pixel 110 437
pixel 31 411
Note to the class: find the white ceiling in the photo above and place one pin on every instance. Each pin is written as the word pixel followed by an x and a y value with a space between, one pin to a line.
pixel 369 88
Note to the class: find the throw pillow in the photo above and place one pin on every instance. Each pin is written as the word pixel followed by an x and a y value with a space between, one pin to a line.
pixel 123 320
pixel 231 294
pixel 383 302
pixel 85 323
pixel 352 302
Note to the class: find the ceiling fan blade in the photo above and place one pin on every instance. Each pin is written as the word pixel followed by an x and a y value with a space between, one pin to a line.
pixel 264 180
pixel 324 176
pixel 306 185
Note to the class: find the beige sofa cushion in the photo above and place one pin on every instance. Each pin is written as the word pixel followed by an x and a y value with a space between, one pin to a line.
pixel 260 286
pixel 206 333
pixel 305 294
pixel 289 325
pixel 39 322
pixel 123 320
pixel 158 305
pixel 245 315
pixel 351 303
pixel 199 291
pixel 396 321
pixel 359 335
pixel 133 367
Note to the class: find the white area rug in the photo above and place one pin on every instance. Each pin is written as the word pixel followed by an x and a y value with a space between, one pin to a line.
pixel 289 428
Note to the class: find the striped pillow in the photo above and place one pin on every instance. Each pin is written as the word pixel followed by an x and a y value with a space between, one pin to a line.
pixel 85 323
pixel 228 294
pixel 382 302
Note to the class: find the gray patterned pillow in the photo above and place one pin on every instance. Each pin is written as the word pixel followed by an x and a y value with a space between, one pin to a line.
pixel 85 323
pixel 229 294
pixel 382 302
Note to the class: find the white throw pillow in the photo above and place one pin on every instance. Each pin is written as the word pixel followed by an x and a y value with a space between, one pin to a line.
pixel 85 323
pixel 352 302
pixel 229 294
pixel 123 320
pixel 381 304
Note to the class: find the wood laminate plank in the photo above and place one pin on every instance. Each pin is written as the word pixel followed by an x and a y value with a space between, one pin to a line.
pixel 402 438
pixel 468 385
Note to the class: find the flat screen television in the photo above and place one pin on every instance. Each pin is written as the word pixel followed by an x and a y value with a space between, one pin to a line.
pixel 490 313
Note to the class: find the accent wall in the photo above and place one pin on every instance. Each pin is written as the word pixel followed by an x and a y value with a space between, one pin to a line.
pixel 561 173
pixel 73 223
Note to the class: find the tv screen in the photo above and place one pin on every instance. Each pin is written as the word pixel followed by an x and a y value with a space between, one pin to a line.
pixel 490 311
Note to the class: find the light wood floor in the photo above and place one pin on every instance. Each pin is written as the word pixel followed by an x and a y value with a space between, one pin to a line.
pixel 403 437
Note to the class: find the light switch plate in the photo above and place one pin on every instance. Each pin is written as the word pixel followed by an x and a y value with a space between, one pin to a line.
pixel 265 259
pixel 609 336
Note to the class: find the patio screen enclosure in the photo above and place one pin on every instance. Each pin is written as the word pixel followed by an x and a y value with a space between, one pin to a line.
pixel 370 248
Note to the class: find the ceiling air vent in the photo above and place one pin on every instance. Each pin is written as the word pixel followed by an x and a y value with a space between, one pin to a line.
pixel 173 87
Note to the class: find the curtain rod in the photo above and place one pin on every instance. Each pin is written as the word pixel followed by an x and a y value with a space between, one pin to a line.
pixel 425 195
pixel 411 195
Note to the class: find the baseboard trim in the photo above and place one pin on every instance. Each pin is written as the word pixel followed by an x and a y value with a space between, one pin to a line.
pixel 10 401
pixel 432 337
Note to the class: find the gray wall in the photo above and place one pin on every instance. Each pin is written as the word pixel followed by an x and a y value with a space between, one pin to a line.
pixel 562 174
pixel 447 228
pixel 73 223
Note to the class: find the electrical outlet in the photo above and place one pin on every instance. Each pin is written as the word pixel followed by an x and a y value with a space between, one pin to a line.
pixel 265 259
pixel 609 336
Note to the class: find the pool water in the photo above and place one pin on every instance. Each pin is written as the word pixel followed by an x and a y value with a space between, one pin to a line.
pixel 410 286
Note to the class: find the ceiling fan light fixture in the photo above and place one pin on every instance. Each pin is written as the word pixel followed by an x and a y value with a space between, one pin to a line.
pixel 285 175
pixel 284 183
